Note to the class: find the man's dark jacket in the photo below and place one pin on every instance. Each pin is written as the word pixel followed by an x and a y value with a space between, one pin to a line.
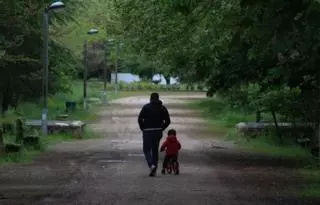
pixel 154 116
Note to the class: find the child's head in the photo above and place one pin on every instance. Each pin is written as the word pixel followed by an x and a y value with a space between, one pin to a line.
pixel 172 132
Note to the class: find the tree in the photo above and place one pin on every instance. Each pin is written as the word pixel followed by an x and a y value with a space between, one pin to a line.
pixel 232 44
pixel 20 46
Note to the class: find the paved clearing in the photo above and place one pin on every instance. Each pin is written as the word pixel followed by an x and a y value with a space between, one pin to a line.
pixel 112 170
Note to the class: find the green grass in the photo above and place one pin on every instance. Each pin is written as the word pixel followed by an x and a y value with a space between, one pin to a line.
pixel 311 187
pixel 56 106
pixel 220 116
pixel 27 154
pixel 269 145
pixel 310 190
pixel 56 103
pixel 222 119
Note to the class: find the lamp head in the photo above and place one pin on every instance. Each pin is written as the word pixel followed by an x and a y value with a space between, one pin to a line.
pixel 56 6
pixel 93 31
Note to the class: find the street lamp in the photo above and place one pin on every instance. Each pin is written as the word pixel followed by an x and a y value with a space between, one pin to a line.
pixel 93 31
pixel 118 46
pixel 53 7
pixel 85 69
pixel 105 48
pixel 111 43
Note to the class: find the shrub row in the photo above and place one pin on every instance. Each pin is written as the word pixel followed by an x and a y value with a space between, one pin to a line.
pixel 151 86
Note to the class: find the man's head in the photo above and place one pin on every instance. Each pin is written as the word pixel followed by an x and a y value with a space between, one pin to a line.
pixel 172 132
pixel 154 97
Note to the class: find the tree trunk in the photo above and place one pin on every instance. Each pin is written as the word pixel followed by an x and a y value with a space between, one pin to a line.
pixel 6 98
pixel 1 142
pixel 167 78
pixel 316 141
pixel 258 116
pixel 19 131
pixel 1 103
pixel 189 86
pixel 278 132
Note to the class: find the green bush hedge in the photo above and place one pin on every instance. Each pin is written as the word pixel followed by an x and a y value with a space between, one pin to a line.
pixel 94 87
pixel 148 86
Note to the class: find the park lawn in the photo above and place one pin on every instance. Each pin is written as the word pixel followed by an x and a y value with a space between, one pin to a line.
pixel 219 116
pixel 222 119
pixel 27 154
pixel 56 105
pixel 311 187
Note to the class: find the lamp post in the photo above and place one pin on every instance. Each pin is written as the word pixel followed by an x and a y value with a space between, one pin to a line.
pixel 85 68
pixel 105 47
pixel 110 42
pixel 118 46
pixel 44 115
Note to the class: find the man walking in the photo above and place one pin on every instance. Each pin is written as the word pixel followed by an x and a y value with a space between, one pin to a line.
pixel 153 119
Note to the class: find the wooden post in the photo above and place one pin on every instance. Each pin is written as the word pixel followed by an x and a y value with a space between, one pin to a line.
pixel 316 139
pixel 85 75
pixel 1 142
pixel 258 116
pixel 19 131
pixel 105 47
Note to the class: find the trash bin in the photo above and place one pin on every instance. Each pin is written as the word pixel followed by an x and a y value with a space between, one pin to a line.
pixel 70 106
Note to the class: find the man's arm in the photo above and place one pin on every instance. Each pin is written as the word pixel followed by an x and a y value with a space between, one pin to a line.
pixel 141 118
pixel 166 118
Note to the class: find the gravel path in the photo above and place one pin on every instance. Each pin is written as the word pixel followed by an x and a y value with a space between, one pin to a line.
pixel 112 170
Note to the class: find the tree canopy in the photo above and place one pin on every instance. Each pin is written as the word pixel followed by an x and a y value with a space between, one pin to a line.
pixel 21 50
pixel 257 51
pixel 251 52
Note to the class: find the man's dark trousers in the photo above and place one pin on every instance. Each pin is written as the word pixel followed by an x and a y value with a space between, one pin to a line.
pixel 151 141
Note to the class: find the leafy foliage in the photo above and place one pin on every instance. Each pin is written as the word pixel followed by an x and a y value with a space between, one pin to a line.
pixel 20 48
pixel 262 55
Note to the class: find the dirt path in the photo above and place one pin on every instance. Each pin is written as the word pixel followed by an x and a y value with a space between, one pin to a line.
pixel 112 170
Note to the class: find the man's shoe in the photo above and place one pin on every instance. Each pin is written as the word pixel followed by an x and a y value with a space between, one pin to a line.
pixel 153 171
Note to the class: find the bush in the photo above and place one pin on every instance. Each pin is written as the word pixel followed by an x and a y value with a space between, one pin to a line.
pixel 200 87
pixel 146 86
pixel 154 86
pixel 222 118
pixel 122 86
pixel 244 97
pixel 163 87
pixel 139 86
pixel 170 87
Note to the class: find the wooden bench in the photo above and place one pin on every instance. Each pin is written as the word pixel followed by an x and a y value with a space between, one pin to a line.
pixel 8 147
pixel 62 117
pixel 58 126
pixel 253 129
